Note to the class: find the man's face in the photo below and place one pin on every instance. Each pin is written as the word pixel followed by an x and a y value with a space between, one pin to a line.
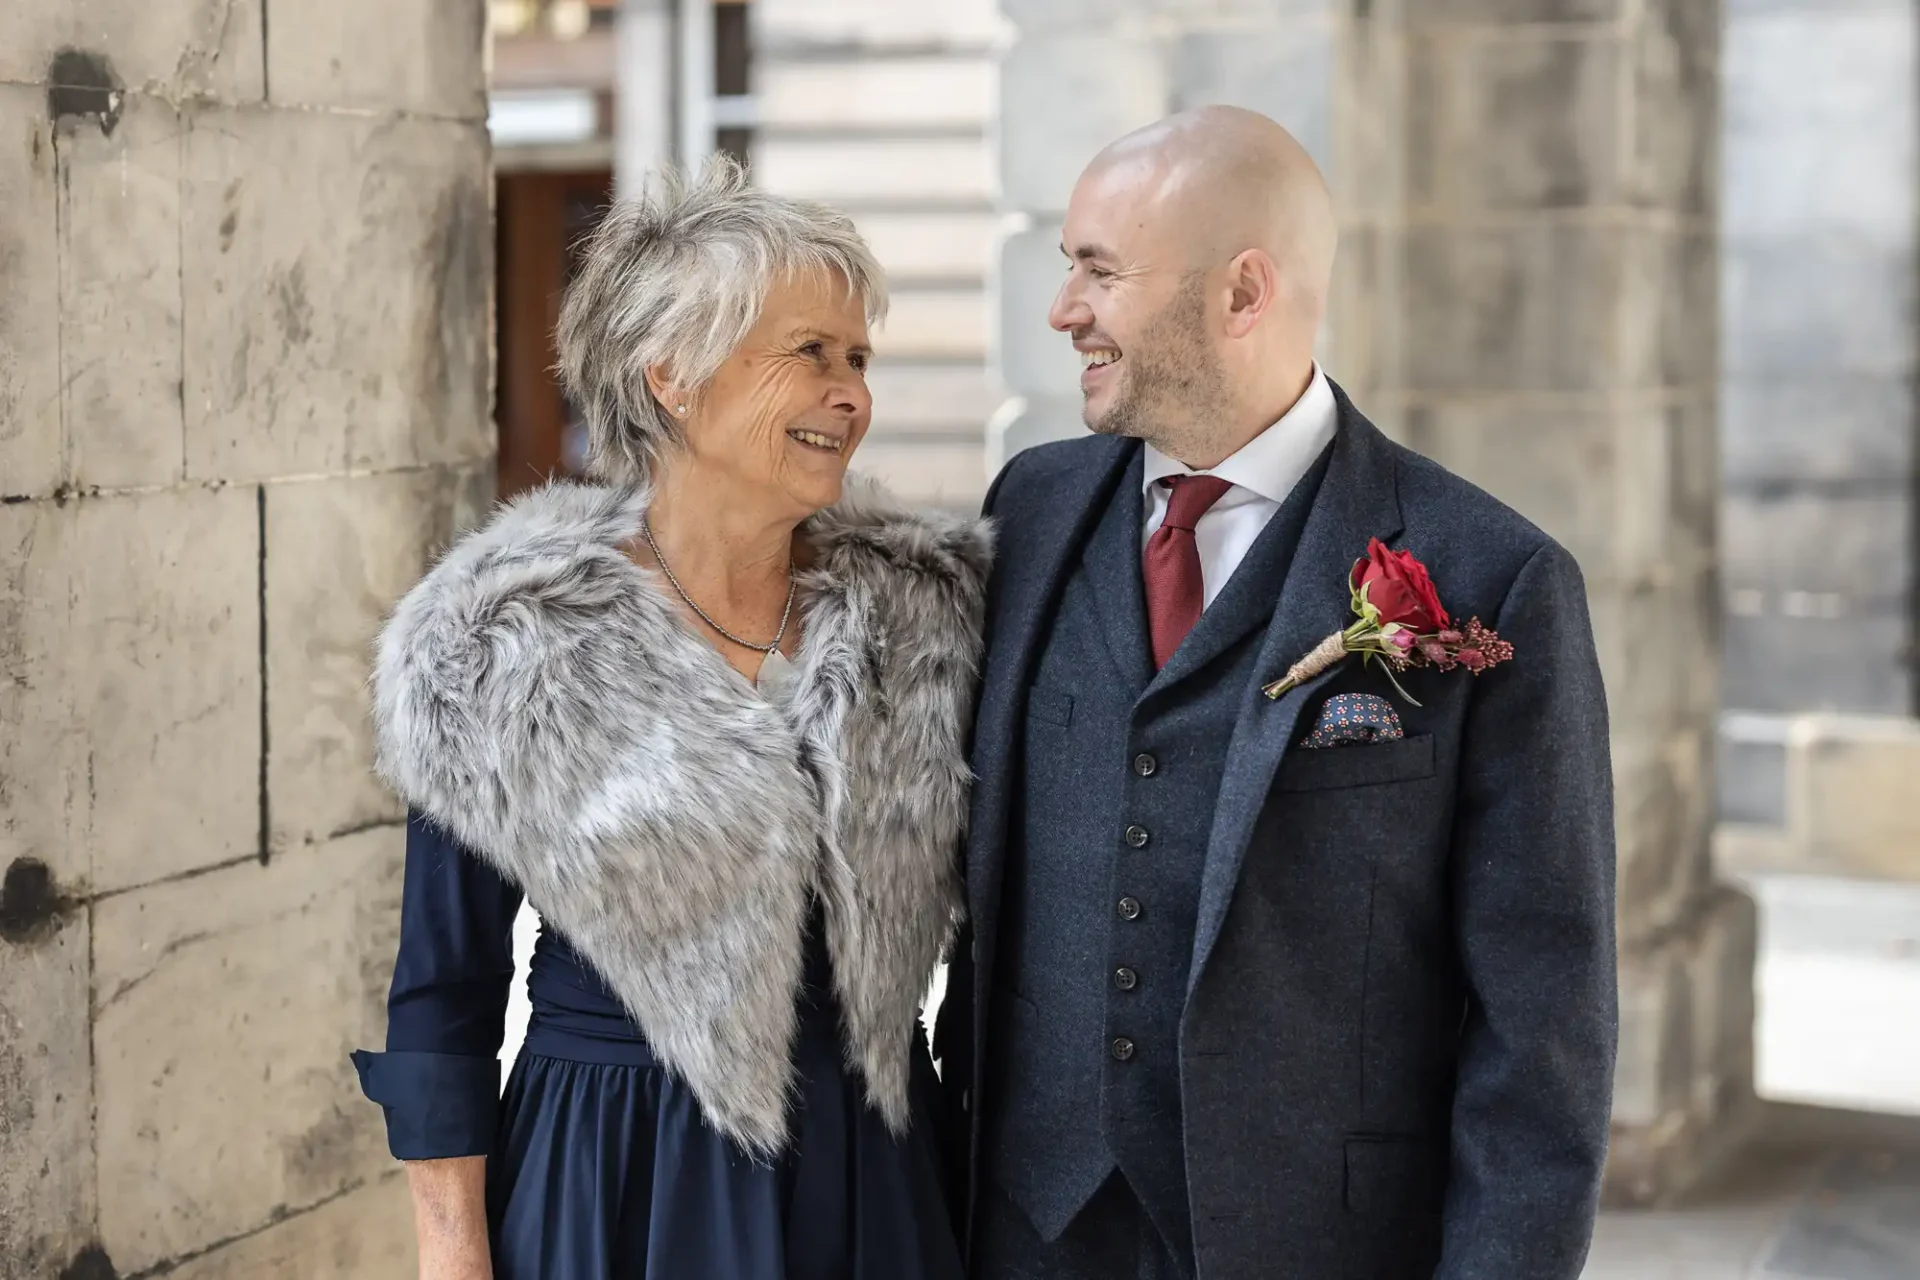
pixel 1136 307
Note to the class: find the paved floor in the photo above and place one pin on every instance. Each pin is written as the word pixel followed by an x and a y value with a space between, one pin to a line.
pixel 1837 1214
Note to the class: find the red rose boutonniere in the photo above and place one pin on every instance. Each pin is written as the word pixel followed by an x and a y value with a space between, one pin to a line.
pixel 1400 623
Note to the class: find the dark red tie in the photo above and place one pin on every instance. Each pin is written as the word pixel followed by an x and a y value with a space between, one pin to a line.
pixel 1171 563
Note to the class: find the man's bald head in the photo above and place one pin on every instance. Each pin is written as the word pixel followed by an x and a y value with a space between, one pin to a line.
pixel 1200 251
pixel 1220 180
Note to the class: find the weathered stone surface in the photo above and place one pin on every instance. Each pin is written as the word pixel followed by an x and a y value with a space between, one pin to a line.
pixel 1065 97
pixel 1823 432
pixel 1507 12
pixel 906 170
pixel 1032 358
pixel 1812 306
pixel 337 267
pixel 227 1004
pixel 934 474
pixel 120 321
pixel 172 48
pixel 939 91
pixel 43 775
pixel 1858 661
pixel 163 652
pixel 1818 131
pixel 406 55
pixel 931 244
pixel 934 322
pixel 1284 72
pixel 1673 142
pixel 46 1094
pixel 1513 124
pixel 366 1234
pixel 783 24
pixel 1850 783
pixel 1848 544
pixel 911 398
pixel 339 553
pixel 31 443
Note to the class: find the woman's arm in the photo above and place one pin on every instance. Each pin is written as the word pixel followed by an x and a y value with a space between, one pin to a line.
pixel 439 1079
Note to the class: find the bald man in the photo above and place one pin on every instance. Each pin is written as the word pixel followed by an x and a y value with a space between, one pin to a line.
pixel 1309 987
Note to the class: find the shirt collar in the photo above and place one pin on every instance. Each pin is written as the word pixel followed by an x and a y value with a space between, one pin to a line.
pixel 1270 464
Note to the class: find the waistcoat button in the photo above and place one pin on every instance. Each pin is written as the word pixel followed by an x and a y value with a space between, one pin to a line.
pixel 1122 1049
pixel 1145 765
pixel 1137 836
pixel 1129 909
pixel 1125 979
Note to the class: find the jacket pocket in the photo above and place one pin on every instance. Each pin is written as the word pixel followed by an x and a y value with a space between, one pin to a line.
pixel 1049 705
pixel 1307 769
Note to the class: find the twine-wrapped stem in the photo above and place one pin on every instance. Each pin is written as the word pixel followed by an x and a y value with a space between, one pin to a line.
pixel 1322 658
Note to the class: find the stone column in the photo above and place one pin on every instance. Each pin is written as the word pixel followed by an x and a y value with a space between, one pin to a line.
pixel 244 388
pixel 1527 292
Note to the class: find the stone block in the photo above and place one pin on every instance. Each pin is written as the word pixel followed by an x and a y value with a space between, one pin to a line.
pixel 1670 318
pixel 930 398
pixel 1751 767
pixel 941 473
pixel 366 1234
pixel 1848 544
pixel 779 25
pixel 1363 338
pixel 1651 1068
pixel 1507 125
pixel 1809 306
pixel 1825 432
pixel 1368 173
pixel 1499 13
pixel 1662 778
pixel 120 321
pixel 1062 99
pixel 341 324
pixel 936 323
pixel 43 752
pixel 931 171
pixel 1850 782
pixel 1818 131
pixel 47 1174
pixel 1518 308
pixel 1072 16
pixel 941 91
pixel 1857 662
pixel 227 1004
pixel 169 48
pixel 931 245
pixel 32 446
pixel 424 56
pixel 163 654
pixel 338 554
pixel 1284 71
pixel 1673 141
pixel 1033 359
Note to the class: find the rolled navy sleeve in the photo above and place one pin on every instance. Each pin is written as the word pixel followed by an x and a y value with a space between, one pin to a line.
pixel 439 1079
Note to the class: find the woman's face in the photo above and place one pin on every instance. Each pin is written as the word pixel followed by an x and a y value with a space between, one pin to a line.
pixel 790 405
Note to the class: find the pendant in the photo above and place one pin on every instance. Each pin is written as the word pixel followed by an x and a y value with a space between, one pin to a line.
pixel 776 676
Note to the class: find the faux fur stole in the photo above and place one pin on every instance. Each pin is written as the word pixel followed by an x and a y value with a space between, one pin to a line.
pixel 539 697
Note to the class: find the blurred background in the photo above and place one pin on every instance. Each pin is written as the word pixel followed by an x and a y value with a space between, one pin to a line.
pixel 277 290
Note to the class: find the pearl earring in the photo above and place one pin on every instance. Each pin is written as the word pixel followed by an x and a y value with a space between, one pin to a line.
pixel 679 408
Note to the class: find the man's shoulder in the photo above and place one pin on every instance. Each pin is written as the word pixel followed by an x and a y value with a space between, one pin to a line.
pixel 1468 537
pixel 1033 478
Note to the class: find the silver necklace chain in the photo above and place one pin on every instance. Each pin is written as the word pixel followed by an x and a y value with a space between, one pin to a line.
pixel 793 583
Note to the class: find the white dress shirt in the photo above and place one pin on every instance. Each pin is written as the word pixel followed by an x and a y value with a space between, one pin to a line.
pixel 1262 473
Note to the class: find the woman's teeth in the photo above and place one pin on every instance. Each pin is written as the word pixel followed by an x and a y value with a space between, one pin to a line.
pixel 817 440
pixel 1094 359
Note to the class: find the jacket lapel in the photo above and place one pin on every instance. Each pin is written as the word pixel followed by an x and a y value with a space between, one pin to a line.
pixel 1027 583
pixel 1357 500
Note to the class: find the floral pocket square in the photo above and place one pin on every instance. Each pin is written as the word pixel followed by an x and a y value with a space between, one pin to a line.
pixel 1351 719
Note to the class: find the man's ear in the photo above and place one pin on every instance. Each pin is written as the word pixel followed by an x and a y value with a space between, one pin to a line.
pixel 1253 283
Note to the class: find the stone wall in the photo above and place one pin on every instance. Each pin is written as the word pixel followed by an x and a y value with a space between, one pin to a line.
pixel 1527 292
pixel 1820 221
pixel 244 394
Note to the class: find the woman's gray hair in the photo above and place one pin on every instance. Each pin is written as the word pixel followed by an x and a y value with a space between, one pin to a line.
pixel 676 277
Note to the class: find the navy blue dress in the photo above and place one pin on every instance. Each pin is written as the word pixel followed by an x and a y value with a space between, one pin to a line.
pixel 599 1164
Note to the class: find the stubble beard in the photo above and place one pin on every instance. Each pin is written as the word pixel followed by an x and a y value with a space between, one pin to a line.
pixel 1173 384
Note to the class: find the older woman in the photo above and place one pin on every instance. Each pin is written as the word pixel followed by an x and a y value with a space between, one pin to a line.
pixel 708 715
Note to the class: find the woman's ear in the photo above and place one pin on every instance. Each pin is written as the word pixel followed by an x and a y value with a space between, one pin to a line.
pixel 660 382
